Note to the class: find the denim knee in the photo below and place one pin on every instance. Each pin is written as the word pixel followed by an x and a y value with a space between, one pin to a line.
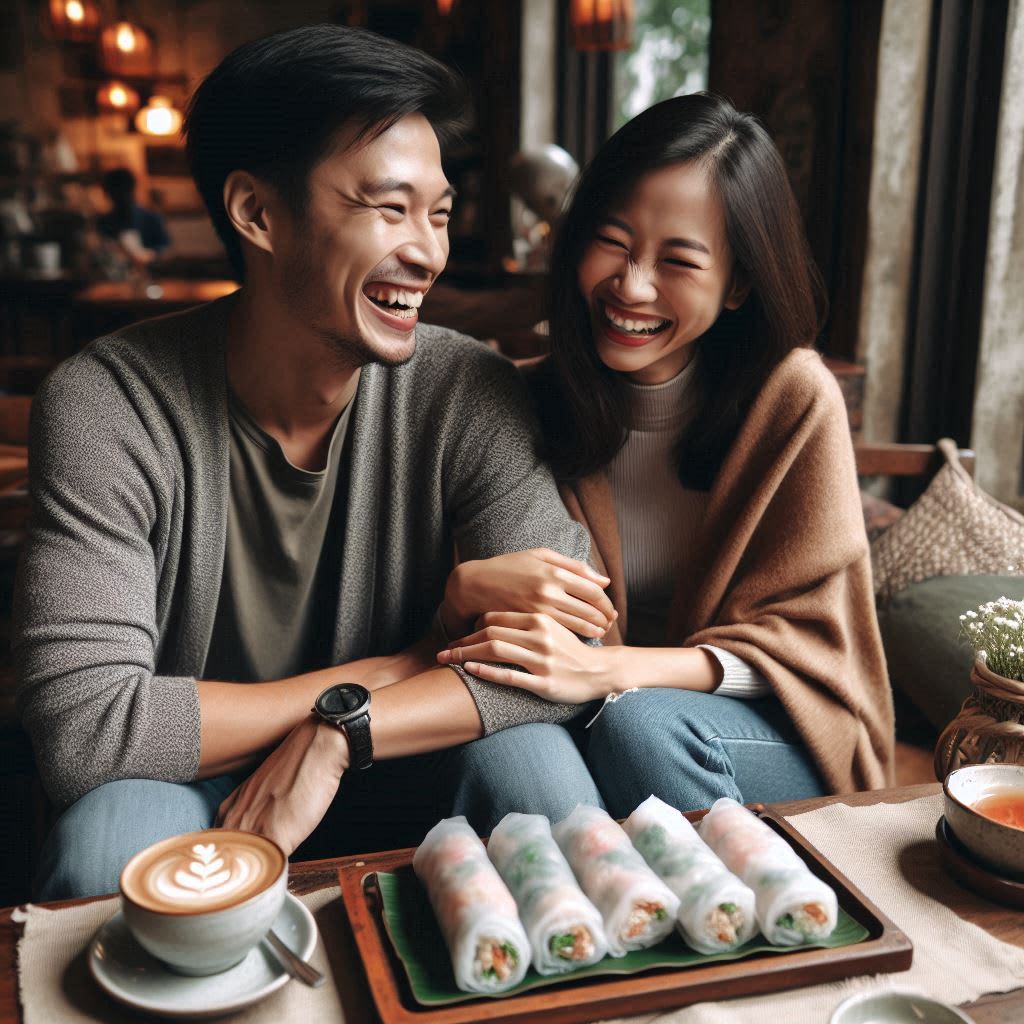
pixel 94 838
pixel 658 741
pixel 535 769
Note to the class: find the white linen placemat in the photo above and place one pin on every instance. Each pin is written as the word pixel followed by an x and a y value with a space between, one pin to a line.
pixel 55 984
pixel 954 961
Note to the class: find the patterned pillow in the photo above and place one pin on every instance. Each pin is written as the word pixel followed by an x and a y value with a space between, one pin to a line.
pixel 953 529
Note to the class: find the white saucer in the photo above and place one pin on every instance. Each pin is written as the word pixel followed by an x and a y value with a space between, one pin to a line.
pixel 127 973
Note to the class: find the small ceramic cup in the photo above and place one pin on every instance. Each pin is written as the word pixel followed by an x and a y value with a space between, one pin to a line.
pixel 994 843
pixel 188 923
pixel 892 1006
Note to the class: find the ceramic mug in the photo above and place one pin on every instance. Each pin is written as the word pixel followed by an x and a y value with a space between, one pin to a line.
pixel 200 901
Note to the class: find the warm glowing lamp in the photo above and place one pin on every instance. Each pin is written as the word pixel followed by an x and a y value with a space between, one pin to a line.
pixel 117 96
pixel 444 7
pixel 126 49
pixel 158 117
pixel 602 24
pixel 77 21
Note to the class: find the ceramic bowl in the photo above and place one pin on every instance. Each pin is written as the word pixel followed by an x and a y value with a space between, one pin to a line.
pixel 895 1007
pixel 999 846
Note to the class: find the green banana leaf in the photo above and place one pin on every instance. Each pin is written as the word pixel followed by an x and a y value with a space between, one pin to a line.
pixel 410 923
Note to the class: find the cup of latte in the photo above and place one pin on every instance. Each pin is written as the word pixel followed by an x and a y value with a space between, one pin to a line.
pixel 200 901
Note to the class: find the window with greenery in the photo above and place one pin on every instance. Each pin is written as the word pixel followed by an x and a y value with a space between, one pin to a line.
pixel 669 55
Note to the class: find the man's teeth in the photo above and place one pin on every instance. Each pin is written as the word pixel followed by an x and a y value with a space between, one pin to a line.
pixel 635 326
pixel 395 296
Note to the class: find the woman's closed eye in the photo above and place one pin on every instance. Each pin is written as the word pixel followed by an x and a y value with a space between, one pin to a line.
pixel 608 240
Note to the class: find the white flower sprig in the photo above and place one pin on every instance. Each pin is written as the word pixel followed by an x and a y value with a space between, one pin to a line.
pixel 996 632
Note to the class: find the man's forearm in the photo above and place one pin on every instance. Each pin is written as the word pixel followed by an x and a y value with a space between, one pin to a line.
pixel 431 711
pixel 240 722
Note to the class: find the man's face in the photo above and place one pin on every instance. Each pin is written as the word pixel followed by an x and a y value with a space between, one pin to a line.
pixel 355 266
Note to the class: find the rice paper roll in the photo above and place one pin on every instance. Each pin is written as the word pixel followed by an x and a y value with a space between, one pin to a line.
pixel 793 905
pixel 637 908
pixel 478 918
pixel 564 928
pixel 716 910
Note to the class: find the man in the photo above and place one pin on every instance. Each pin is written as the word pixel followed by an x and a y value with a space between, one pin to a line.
pixel 142 233
pixel 241 506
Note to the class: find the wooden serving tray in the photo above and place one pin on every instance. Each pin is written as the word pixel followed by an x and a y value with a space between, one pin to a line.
pixel 885 950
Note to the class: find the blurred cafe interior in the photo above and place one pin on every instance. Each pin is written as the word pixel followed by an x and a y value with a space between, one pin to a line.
pixel 900 122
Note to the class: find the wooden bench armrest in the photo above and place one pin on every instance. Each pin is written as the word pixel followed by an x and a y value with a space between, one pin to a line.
pixel 878 459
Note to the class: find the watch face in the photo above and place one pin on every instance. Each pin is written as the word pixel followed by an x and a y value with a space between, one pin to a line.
pixel 342 701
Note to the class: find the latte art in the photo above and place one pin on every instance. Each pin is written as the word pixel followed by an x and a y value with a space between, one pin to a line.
pixel 202 871
pixel 206 876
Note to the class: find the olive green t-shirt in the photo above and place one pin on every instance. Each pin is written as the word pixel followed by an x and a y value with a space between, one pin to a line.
pixel 279 591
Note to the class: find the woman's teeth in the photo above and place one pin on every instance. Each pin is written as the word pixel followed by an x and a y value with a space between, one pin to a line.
pixel 638 327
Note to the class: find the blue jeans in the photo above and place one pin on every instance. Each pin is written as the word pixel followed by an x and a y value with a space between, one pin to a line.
pixel 391 805
pixel 692 748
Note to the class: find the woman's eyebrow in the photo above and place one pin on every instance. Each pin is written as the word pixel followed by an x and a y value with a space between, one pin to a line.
pixel 678 243
pixel 616 223
pixel 688 243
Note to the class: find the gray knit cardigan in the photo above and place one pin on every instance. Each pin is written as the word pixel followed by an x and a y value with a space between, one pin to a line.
pixel 119 580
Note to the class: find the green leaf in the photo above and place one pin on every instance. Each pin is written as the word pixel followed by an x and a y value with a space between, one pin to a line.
pixel 416 937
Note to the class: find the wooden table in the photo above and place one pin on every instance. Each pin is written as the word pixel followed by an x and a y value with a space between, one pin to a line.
pixel 1007 925
pixel 107 306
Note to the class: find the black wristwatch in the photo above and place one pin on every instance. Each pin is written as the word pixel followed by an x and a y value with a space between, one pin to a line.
pixel 347 705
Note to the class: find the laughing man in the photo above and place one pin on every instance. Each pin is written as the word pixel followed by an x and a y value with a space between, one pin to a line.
pixel 243 509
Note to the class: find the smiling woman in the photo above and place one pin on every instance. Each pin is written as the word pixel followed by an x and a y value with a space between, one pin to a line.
pixel 705 446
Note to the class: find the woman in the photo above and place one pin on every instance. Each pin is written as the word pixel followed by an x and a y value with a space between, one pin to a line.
pixel 705 446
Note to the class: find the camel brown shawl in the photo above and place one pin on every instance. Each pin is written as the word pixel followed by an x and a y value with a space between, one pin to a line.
pixel 781 575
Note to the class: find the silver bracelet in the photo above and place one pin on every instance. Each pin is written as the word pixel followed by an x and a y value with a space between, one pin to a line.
pixel 610 699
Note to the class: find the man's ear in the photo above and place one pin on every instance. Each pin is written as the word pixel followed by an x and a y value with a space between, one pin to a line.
pixel 739 289
pixel 245 202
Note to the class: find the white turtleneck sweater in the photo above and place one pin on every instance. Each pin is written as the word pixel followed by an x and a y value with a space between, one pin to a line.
pixel 659 518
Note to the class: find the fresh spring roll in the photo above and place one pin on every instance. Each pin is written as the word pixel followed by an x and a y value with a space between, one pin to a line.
pixel 564 927
pixel 716 910
pixel 476 912
pixel 793 905
pixel 637 908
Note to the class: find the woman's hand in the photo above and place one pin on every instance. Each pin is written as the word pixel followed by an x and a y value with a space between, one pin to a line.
pixel 558 666
pixel 540 581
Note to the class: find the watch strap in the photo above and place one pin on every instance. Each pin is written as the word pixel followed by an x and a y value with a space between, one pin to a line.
pixel 359 740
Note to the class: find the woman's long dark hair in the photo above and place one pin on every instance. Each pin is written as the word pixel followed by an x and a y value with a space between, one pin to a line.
pixel 582 402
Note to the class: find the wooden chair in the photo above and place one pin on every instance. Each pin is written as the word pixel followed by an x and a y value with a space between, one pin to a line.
pixel 878 459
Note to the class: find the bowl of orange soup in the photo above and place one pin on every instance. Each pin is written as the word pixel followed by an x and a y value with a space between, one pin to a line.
pixel 985 810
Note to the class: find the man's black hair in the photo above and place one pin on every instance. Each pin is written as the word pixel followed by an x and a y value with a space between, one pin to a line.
pixel 119 185
pixel 273 107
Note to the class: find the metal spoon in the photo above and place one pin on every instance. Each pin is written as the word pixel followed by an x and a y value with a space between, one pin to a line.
pixel 295 965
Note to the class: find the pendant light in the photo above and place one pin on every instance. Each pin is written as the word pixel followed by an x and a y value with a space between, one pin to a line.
pixel 158 117
pixel 117 96
pixel 126 49
pixel 602 24
pixel 75 21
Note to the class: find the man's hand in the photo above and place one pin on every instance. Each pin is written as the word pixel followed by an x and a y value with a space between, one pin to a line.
pixel 289 793
pixel 540 581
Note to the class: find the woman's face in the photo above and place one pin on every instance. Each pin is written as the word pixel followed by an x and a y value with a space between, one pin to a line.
pixel 657 273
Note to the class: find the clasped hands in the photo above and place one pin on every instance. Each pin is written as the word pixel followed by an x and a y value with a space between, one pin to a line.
pixel 548 599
